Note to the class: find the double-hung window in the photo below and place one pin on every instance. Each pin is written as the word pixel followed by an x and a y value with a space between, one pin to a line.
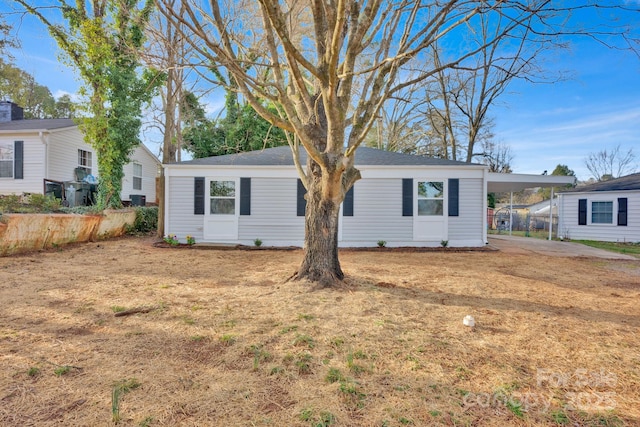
pixel 85 161
pixel 601 212
pixel 430 198
pixel 222 198
pixel 137 176
pixel 6 159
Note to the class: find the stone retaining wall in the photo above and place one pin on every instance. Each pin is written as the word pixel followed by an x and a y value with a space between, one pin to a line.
pixel 28 232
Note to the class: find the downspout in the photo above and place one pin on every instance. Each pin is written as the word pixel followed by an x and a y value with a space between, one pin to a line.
pixel 551 215
pixel 511 213
pixel 166 199
pixel 45 140
pixel 560 225
pixel 484 206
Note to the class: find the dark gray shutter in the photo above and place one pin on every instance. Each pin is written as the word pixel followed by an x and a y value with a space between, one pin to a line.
pixel 454 194
pixel 347 204
pixel 245 196
pixel 622 211
pixel 407 197
pixel 582 212
pixel 198 196
pixel 18 160
pixel 301 205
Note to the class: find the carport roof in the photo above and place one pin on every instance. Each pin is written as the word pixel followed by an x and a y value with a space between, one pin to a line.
pixel 507 182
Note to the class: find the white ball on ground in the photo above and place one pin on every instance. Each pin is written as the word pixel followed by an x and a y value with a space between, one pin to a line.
pixel 469 321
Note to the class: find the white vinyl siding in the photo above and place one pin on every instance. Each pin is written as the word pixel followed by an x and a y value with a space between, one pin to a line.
pixel 273 213
pixel 467 227
pixel 150 166
pixel 611 232
pixel 182 221
pixel 63 155
pixel 377 214
pixel 32 166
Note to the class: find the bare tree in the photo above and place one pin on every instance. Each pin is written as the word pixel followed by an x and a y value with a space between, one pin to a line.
pixel 399 126
pixel 330 66
pixel 167 50
pixel 497 156
pixel 458 99
pixel 607 164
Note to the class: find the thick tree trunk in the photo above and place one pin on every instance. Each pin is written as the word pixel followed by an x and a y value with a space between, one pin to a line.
pixel 320 263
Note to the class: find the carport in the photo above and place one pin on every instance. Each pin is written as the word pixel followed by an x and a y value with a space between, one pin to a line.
pixel 511 182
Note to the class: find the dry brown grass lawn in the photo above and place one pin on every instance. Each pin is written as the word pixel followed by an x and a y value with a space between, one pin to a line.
pixel 231 343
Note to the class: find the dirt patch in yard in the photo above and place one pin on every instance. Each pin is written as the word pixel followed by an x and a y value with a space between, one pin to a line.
pixel 223 339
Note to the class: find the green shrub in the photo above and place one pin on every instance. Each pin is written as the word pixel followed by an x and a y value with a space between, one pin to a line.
pixel 146 219
pixel 29 203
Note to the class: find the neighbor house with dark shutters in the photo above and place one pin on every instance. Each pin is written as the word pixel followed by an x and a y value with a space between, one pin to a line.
pixel 37 154
pixel 604 211
pixel 402 199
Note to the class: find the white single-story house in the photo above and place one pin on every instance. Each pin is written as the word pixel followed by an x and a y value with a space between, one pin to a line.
pixel 36 152
pixel 606 211
pixel 402 199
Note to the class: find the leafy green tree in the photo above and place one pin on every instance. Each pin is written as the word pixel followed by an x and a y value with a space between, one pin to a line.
pixel 6 39
pixel 242 129
pixel 560 170
pixel 103 39
pixel 21 87
pixel 65 108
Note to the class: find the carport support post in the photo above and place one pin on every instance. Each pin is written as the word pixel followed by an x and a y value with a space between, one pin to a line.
pixel 511 214
pixel 551 215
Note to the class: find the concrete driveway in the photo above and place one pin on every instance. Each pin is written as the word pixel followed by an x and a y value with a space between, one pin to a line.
pixel 528 245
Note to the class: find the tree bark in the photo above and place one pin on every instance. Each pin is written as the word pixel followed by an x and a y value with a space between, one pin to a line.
pixel 321 263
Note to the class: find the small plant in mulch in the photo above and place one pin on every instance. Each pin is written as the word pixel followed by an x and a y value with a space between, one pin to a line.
pixel 382 243
pixel 228 339
pixel 171 239
pixel 257 242
pixel 62 370
pixel 190 240
pixel 33 371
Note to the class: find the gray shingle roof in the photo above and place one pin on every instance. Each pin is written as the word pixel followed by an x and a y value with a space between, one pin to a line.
pixel 625 183
pixel 282 156
pixel 36 124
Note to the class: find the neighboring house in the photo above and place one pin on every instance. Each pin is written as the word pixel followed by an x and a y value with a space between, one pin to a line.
pixel 35 151
pixel 402 199
pixel 606 211
pixel 542 208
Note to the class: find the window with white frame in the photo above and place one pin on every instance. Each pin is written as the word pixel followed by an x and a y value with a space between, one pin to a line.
pixel 137 176
pixel 430 198
pixel 602 212
pixel 6 159
pixel 85 161
pixel 222 198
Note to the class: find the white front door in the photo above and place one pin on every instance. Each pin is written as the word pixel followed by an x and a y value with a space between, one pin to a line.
pixel 429 216
pixel 222 205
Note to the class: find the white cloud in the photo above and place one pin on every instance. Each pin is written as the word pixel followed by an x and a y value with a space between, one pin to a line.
pixel 60 93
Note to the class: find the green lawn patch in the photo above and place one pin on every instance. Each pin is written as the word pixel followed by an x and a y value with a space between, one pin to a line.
pixel 623 248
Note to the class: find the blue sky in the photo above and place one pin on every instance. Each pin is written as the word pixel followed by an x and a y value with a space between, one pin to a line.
pixel 544 124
